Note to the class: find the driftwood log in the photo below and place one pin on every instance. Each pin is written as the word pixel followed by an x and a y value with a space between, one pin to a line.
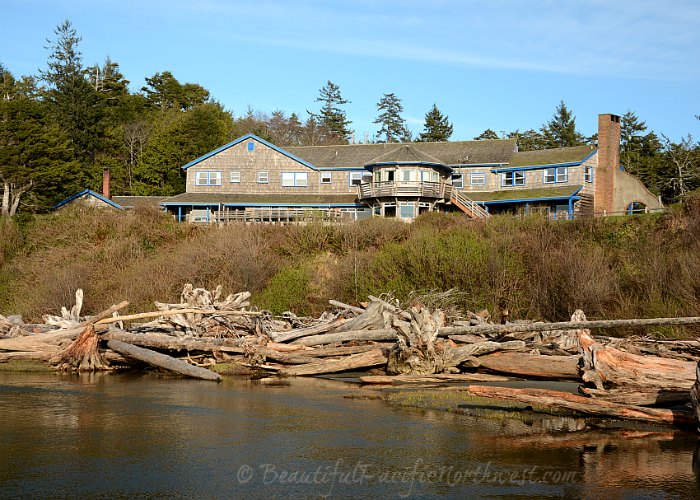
pixel 162 361
pixel 526 365
pixel 375 357
pixel 587 406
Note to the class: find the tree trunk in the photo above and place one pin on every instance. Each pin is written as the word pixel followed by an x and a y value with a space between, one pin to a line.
pixel 587 406
pixel 162 361
pixel 532 365
pixel 376 357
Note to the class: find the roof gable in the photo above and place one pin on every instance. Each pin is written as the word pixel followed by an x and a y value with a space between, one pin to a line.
pixel 86 192
pixel 245 138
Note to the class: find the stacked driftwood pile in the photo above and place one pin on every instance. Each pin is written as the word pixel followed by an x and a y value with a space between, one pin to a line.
pixel 400 345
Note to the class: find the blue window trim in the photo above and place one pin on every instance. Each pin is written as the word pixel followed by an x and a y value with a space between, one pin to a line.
pixel 294 179
pixel 556 175
pixel 471 179
pixel 251 146
pixel 267 177
pixel 513 174
pixel 209 179
pixel 588 174
pixel 231 175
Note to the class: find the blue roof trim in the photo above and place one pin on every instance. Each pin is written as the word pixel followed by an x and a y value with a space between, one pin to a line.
pixel 245 138
pixel 88 192
pixel 423 163
pixel 528 200
pixel 472 165
pixel 317 205
pixel 542 167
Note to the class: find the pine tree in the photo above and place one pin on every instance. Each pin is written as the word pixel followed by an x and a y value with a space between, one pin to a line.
pixel 529 140
pixel 437 127
pixel 73 102
pixel 486 134
pixel 393 126
pixel 560 131
pixel 331 116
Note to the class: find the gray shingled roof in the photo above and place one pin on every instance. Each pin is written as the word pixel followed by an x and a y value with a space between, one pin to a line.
pixel 138 201
pixel 405 153
pixel 447 153
pixel 278 199
pixel 550 156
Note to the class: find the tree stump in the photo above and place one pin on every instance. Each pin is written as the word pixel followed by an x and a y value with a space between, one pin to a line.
pixel 82 355
pixel 416 352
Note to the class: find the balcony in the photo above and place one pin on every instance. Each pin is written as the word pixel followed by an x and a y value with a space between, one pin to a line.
pixel 404 188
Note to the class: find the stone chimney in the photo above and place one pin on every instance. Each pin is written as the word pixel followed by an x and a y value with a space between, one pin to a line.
pixel 105 184
pixel 608 163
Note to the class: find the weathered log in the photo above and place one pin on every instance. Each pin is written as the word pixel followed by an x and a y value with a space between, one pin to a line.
pixel 26 356
pixel 162 361
pixel 341 305
pixel 583 405
pixel 168 342
pixel 639 396
pixel 437 377
pixel 297 333
pixel 607 367
pixel 532 365
pixel 173 312
pixel 466 338
pixel 367 359
pixel 44 341
pixel 331 338
pixel 565 325
pixel 371 318
pixel 321 352
pixel 456 355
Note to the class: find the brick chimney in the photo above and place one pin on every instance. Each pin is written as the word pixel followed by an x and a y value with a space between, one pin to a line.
pixel 608 162
pixel 105 184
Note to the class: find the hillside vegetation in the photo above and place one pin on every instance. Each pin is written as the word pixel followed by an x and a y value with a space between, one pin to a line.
pixel 640 266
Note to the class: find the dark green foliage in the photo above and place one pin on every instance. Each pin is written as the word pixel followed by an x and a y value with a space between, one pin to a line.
pixel 530 140
pixel 486 134
pixel 331 116
pixel 393 126
pixel 437 127
pixel 561 131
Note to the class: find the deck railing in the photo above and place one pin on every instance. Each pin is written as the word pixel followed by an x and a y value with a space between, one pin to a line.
pixel 403 188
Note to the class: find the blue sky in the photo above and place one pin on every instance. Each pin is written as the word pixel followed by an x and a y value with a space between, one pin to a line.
pixel 499 64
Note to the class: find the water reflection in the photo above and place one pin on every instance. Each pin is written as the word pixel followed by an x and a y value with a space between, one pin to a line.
pixel 149 435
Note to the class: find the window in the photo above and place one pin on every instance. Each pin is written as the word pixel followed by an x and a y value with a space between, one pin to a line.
pixel 408 175
pixel 435 176
pixel 556 175
pixel 326 178
pixel 588 174
pixel 407 210
pixel 425 176
pixel 251 146
pixel 205 178
pixel 262 178
pixel 295 179
pixel 355 178
pixel 235 177
pixel 513 179
pixel 458 180
pixel 477 178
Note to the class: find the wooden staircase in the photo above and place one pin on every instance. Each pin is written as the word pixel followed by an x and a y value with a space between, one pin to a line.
pixel 468 206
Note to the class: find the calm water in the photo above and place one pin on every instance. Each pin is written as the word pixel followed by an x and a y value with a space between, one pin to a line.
pixel 149 436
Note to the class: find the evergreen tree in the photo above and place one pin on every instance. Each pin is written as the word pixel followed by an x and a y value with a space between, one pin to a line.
pixel 560 131
pixel 74 104
pixel 437 127
pixel 393 126
pixel 34 155
pixel 164 91
pixel 530 140
pixel 332 117
pixel 486 134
